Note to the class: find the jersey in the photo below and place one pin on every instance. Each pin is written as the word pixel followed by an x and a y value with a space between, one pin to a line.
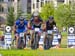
pixel 36 24
pixel 49 26
pixel 21 27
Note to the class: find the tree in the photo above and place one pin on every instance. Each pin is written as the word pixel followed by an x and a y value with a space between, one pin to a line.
pixel 19 12
pixel 72 21
pixel 10 17
pixel 28 16
pixel 63 15
pixel 47 10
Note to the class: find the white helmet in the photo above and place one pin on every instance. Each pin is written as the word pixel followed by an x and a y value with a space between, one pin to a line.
pixel 36 14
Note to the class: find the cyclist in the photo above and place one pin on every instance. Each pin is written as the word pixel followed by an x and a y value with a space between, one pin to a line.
pixel 36 22
pixel 50 24
pixel 20 25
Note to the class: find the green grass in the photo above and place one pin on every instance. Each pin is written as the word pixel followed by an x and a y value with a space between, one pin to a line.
pixel 64 39
pixel 64 34
pixel 51 52
pixel 1 33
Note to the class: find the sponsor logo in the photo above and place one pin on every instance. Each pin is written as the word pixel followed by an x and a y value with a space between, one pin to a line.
pixel 71 29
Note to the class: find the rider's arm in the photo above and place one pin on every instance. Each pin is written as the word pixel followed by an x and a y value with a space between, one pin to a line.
pixel 43 26
pixel 54 24
pixel 14 28
pixel 29 25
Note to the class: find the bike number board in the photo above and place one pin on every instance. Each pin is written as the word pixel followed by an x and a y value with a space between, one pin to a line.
pixel 21 34
pixel 37 29
pixel 49 32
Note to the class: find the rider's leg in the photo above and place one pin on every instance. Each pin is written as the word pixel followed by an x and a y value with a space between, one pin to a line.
pixel 29 33
pixel 25 39
pixel 46 41
pixel 41 45
pixel 39 37
pixel 50 41
pixel 17 38
pixel 45 38
pixel 32 39
pixel 32 35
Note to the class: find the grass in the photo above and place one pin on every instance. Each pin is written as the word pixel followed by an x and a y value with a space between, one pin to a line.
pixel 51 52
pixel 64 40
pixel 64 34
pixel 1 33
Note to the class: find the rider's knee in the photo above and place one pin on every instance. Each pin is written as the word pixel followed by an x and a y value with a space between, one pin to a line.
pixel 17 37
pixel 25 33
pixel 31 32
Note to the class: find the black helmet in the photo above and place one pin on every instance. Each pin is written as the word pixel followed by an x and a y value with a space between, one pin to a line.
pixel 21 18
pixel 51 17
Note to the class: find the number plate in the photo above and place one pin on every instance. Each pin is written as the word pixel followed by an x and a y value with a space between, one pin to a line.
pixel 37 29
pixel 21 34
pixel 49 32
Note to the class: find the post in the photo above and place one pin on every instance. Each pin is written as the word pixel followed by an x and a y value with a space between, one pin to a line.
pixel 15 8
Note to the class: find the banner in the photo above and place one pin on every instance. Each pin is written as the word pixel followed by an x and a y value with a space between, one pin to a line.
pixel 55 40
pixel 7 37
pixel 71 37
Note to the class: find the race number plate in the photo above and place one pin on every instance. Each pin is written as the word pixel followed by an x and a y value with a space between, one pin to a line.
pixel 37 29
pixel 21 34
pixel 49 32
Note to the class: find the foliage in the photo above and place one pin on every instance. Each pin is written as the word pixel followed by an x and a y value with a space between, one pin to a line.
pixel 19 12
pixel 63 15
pixel 10 17
pixel 47 10
pixel 29 16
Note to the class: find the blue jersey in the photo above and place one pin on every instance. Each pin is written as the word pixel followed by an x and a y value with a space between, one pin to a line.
pixel 21 27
